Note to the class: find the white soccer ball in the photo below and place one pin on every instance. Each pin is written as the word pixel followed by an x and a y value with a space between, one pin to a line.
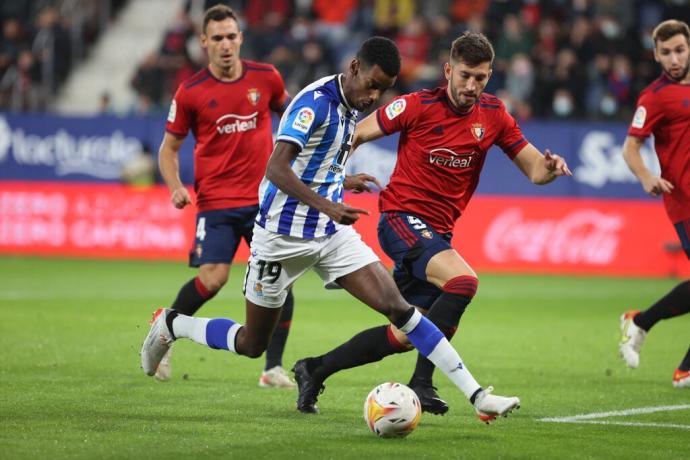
pixel 392 410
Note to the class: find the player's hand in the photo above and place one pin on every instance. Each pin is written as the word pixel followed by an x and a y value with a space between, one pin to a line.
pixel 359 183
pixel 180 197
pixel 344 214
pixel 555 164
pixel 655 185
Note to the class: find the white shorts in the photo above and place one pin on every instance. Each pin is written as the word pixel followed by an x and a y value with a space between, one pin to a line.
pixel 276 261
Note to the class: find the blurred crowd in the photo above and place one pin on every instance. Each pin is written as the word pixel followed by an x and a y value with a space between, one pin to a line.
pixel 554 58
pixel 40 42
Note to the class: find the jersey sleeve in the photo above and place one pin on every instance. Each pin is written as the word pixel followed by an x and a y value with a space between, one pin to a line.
pixel 398 114
pixel 648 114
pixel 180 114
pixel 511 140
pixel 279 95
pixel 306 114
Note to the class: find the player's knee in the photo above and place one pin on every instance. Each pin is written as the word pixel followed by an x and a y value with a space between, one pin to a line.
pixel 464 285
pixel 214 281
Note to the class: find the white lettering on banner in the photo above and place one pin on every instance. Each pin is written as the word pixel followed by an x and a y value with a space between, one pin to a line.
pixel 97 156
pixel 129 234
pixel 603 163
pixel 30 231
pixel 97 220
pixel 32 218
pixel 585 236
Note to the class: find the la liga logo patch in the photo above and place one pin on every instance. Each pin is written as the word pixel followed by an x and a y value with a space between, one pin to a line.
pixel 640 117
pixel 303 120
pixel 395 108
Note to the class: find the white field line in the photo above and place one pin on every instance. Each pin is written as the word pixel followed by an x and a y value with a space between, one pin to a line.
pixel 590 418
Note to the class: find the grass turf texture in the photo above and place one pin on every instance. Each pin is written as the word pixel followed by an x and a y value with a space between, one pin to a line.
pixel 71 386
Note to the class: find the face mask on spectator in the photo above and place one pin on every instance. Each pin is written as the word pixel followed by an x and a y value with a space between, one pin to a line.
pixel 608 105
pixel 562 106
pixel 610 29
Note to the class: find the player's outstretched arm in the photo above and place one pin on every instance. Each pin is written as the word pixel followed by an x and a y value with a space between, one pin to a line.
pixel 653 185
pixel 361 182
pixel 541 169
pixel 367 130
pixel 169 165
pixel 279 172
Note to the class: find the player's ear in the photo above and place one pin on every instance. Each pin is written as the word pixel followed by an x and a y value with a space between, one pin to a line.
pixel 354 67
pixel 447 70
pixel 203 40
pixel 240 37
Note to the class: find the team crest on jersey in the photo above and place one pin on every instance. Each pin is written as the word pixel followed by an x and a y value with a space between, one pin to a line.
pixel 477 131
pixel 395 108
pixel 426 234
pixel 199 250
pixel 303 120
pixel 639 118
pixel 172 112
pixel 253 95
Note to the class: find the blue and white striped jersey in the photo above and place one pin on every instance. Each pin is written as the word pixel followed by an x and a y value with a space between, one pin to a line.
pixel 321 123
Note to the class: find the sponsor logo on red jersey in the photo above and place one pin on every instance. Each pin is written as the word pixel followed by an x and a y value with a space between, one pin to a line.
pixel 232 123
pixel 449 159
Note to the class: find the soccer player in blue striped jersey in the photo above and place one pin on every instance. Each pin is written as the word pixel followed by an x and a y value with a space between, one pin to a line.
pixel 303 223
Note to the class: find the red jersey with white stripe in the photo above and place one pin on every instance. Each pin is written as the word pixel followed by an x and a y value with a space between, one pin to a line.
pixel 441 152
pixel 231 122
pixel 663 109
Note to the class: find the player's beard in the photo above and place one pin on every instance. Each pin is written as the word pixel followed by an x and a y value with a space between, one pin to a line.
pixel 683 74
pixel 463 107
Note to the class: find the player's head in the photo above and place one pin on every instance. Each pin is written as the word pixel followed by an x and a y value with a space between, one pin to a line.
pixel 222 38
pixel 469 69
pixel 371 72
pixel 672 48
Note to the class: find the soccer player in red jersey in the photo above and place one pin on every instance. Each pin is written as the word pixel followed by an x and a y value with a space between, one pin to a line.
pixel 227 106
pixel 663 110
pixel 445 135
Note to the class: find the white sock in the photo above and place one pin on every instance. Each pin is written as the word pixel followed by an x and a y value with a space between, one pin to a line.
pixel 189 327
pixel 430 342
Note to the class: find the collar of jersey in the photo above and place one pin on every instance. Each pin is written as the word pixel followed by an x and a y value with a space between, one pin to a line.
pixel 339 85
pixel 244 72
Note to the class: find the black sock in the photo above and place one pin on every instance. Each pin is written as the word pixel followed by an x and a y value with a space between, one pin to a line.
pixel 191 297
pixel 685 365
pixel 366 347
pixel 445 313
pixel 276 347
pixel 675 303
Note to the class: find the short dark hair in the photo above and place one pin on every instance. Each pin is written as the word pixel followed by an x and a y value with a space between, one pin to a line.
pixel 380 51
pixel 218 13
pixel 472 48
pixel 669 29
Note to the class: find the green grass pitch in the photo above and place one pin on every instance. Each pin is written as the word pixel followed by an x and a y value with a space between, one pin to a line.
pixel 71 385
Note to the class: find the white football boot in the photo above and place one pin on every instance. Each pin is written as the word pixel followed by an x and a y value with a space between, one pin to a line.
pixel 489 406
pixel 164 370
pixel 157 342
pixel 632 338
pixel 276 377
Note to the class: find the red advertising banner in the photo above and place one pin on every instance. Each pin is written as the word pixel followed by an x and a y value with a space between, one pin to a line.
pixel 496 234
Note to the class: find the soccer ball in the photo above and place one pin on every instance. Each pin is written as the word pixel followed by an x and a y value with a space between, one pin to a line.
pixel 392 410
